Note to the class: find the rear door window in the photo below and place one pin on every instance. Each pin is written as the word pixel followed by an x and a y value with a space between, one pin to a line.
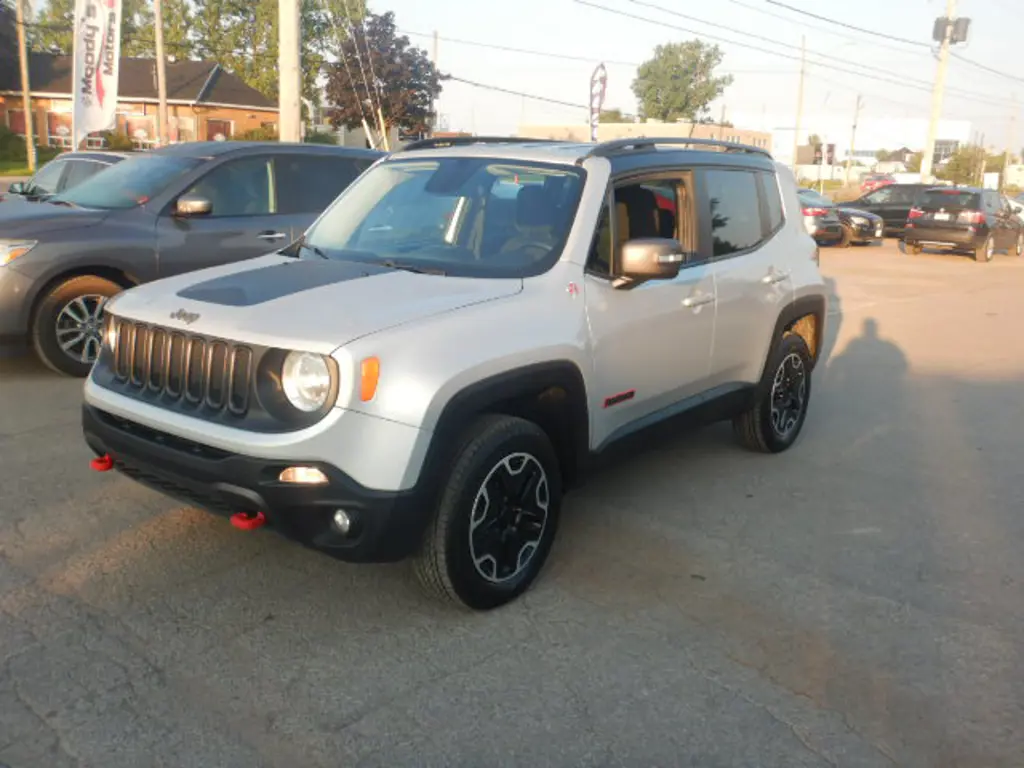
pixel 309 183
pixel 79 171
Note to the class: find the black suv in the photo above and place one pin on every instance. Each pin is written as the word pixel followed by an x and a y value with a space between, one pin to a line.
pixel 964 219
pixel 892 202
pixel 160 213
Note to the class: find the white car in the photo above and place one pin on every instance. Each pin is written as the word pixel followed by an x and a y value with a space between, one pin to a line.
pixel 428 369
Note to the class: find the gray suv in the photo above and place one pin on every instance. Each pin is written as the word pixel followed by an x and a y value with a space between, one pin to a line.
pixel 169 211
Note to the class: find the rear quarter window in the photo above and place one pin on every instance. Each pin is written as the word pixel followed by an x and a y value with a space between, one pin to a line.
pixel 734 208
pixel 772 202
pixel 951 199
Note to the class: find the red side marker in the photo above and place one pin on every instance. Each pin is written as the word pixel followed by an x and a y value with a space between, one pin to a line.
pixel 243 521
pixel 102 463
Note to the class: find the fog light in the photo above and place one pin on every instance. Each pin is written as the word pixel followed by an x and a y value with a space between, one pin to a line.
pixel 342 521
pixel 303 476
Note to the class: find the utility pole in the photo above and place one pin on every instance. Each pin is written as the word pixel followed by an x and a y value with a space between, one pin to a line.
pixel 433 105
pixel 26 96
pixel 163 129
pixel 799 102
pixel 1010 141
pixel 981 162
pixel 937 93
pixel 290 83
pixel 853 140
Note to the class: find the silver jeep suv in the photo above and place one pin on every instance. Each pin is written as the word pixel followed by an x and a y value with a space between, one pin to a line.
pixel 456 338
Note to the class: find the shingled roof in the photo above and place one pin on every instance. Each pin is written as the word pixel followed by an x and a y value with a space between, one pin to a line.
pixel 187 81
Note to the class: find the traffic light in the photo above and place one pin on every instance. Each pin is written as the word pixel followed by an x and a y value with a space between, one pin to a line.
pixel 817 154
pixel 830 155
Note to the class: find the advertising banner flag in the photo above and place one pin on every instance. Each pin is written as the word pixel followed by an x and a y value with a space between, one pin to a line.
pixel 97 57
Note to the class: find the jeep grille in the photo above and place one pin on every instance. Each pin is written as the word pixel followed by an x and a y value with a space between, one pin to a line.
pixel 183 367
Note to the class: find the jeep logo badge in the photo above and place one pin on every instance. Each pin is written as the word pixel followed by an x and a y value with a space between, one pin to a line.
pixel 186 317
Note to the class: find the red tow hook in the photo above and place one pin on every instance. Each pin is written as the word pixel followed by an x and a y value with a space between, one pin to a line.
pixel 102 463
pixel 243 521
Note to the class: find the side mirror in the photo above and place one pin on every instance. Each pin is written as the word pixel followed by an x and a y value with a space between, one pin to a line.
pixel 193 205
pixel 17 188
pixel 649 258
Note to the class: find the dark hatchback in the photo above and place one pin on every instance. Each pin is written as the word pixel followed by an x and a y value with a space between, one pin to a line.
pixel 161 213
pixel 829 224
pixel 892 202
pixel 64 172
pixel 964 219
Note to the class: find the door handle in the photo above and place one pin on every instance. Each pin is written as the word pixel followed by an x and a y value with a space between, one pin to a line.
pixel 774 276
pixel 698 300
pixel 268 235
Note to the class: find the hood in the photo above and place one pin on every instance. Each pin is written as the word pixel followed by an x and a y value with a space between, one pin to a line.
pixel 25 219
pixel 310 304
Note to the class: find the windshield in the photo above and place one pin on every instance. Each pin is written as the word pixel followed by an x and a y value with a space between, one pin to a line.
pixel 474 217
pixel 950 198
pixel 129 183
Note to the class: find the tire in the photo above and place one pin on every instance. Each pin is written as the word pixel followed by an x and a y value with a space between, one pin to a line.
pixel 984 252
pixel 455 561
pixel 56 321
pixel 846 239
pixel 1019 249
pixel 916 249
pixel 756 428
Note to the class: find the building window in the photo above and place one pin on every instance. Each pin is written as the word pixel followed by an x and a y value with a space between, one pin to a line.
pixel 16 121
pixel 58 128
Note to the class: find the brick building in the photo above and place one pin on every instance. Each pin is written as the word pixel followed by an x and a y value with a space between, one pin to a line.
pixel 204 101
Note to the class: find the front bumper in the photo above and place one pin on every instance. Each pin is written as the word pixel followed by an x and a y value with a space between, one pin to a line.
pixel 387 525
pixel 15 290
pixel 867 230
pixel 965 238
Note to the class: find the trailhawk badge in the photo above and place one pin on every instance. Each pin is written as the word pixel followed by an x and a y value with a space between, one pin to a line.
pixel 186 317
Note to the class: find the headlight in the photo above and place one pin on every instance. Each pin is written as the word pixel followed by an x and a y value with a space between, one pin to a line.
pixel 858 220
pixel 12 249
pixel 306 380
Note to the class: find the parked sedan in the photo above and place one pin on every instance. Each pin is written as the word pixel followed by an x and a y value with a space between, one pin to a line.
pixel 157 214
pixel 856 227
pixel 64 172
pixel 964 219
pixel 875 180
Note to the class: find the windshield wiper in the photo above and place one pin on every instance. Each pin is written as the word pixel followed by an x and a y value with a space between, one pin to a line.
pixel 411 267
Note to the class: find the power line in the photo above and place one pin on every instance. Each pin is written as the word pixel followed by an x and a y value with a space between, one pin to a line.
pixel 916 43
pixel 566 56
pixel 919 85
pixel 904 40
pixel 816 27
pixel 993 70
pixel 516 93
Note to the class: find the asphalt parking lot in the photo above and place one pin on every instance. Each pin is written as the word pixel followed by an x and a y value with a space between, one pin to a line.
pixel 858 601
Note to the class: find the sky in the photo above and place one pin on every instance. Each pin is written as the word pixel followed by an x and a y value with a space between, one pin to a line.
pixel 764 92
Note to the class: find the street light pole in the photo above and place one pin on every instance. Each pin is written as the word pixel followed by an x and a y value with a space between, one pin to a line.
pixel 853 140
pixel 937 93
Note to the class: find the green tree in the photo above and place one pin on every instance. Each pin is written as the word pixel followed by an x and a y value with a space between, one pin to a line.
pixel 52 32
pixel 613 115
pixel 914 163
pixel 401 78
pixel 8 35
pixel 679 81
pixel 963 165
pixel 883 155
pixel 813 140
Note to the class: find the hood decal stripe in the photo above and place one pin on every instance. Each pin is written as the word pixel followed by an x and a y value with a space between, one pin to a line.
pixel 257 286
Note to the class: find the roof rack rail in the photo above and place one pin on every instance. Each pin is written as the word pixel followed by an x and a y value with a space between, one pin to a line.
pixel 438 142
pixel 606 148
